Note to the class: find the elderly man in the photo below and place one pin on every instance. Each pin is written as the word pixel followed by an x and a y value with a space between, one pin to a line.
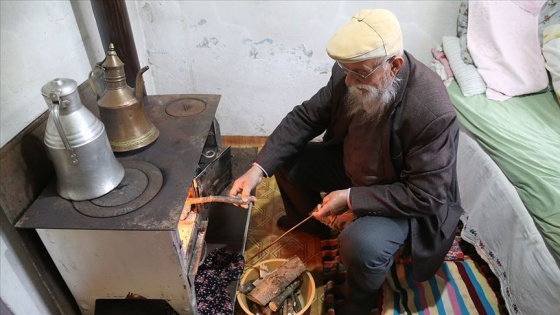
pixel 387 158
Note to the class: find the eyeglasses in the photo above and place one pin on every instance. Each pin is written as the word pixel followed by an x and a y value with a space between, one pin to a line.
pixel 363 76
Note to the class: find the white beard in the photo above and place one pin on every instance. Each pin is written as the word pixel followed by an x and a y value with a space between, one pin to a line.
pixel 376 102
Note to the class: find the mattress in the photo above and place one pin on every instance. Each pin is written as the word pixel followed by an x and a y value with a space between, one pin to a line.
pixel 522 136
pixel 507 169
pixel 501 229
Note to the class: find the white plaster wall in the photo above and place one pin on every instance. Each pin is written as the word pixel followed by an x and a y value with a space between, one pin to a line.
pixel 40 40
pixel 263 57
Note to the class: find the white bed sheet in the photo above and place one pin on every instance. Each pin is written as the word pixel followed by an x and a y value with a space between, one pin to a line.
pixel 497 223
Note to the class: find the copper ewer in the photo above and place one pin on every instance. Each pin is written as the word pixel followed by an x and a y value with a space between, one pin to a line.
pixel 120 107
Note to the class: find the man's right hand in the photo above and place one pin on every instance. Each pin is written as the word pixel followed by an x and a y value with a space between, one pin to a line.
pixel 244 185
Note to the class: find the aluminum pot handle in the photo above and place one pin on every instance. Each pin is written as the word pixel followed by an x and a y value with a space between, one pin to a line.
pixel 55 101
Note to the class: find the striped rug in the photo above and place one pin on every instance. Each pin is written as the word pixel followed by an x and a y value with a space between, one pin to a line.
pixel 457 288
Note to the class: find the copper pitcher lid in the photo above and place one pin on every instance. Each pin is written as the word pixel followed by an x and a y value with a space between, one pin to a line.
pixel 114 68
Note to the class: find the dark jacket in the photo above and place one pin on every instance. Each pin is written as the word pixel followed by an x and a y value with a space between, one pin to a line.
pixel 425 191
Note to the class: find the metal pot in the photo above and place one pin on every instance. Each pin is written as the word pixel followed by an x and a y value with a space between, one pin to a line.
pixel 85 165
pixel 120 107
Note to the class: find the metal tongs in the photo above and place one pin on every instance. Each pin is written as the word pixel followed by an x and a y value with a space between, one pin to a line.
pixel 224 199
pixel 207 199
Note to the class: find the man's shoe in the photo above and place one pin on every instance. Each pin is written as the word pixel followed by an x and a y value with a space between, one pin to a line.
pixel 353 308
pixel 316 228
pixel 365 306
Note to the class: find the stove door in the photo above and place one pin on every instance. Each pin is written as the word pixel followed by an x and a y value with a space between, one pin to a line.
pixel 213 179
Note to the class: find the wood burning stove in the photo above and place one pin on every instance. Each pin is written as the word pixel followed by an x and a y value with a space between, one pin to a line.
pixel 131 242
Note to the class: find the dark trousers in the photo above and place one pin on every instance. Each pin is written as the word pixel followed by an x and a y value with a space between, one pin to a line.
pixel 368 244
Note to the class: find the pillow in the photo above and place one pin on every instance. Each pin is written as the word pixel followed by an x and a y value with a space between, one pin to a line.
pixel 551 53
pixel 462 23
pixel 549 15
pixel 468 78
pixel 503 41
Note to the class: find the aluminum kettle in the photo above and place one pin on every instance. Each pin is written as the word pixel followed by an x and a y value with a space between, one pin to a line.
pixel 85 165
pixel 120 107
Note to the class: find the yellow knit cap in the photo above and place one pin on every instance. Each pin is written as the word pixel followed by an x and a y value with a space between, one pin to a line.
pixel 369 34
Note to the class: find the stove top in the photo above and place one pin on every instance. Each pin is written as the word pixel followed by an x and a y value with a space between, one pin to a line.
pixel 141 183
pixel 157 177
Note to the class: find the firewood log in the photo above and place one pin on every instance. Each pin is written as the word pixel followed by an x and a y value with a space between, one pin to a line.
pixel 285 307
pixel 247 287
pixel 261 310
pixel 276 281
pixel 255 309
pixel 276 301
pixel 288 307
pixel 295 297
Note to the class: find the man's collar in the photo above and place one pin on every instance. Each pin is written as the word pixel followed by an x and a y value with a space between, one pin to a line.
pixel 403 74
